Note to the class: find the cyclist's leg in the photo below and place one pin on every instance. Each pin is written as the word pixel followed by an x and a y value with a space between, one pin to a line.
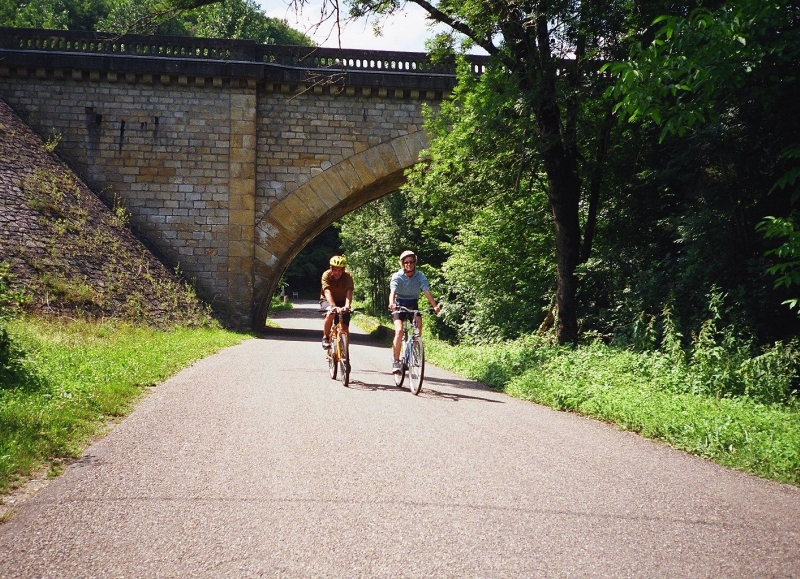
pixel 327 324
pixel 346 325
pixel 397 343
pixel 326 330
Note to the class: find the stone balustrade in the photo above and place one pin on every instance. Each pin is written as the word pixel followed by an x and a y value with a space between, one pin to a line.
pixel 211 49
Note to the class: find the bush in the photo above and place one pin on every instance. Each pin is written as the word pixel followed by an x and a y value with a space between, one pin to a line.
pixel 11 301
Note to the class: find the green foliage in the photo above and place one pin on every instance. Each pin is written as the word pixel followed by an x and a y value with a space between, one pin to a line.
pixel 143 17
pixel 694 62
pixel 278 305
pixel 500 270
pixel 484 208
pixel 372 238
pixel 787 229
pixel 11 303
pixel 725 80
pixel 52 14
pixel 11 299
pixel 244 19
pixel 234 19
pixel 788 270
pixel 70 378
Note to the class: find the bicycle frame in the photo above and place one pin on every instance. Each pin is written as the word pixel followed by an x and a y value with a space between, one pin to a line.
pixel 339 352
pixel 412 355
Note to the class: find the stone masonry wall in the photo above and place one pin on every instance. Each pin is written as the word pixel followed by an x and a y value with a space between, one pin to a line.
pixel 302 134
pixel 162 145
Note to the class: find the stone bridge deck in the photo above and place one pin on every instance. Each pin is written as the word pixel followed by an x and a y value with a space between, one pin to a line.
pixel 230 156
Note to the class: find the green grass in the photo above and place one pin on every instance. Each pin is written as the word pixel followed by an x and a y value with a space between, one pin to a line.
pixel 64 381
pixel 640 392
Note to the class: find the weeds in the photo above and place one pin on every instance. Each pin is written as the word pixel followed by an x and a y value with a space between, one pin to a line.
pixel 52 141
pixel 87 264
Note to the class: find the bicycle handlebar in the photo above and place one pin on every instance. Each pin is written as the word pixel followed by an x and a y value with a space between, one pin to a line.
pixel 338 309
pixel 408 311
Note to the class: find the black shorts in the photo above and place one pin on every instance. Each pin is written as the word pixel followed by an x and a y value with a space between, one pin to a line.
pixel 410 304
pixel 323 307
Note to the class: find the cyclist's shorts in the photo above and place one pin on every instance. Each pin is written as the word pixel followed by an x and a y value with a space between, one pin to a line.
pixel 410 304
pixel 323 307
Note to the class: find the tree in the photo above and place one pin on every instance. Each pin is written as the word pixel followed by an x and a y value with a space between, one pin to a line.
pixel 551 54
pixel 736 65
pixel 485 211
pixel 52 14
pixel 244 19
pixel 372 238
pixel 119 16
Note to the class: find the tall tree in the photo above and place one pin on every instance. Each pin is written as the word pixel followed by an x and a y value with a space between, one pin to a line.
pixel 551 52
pixel 732 67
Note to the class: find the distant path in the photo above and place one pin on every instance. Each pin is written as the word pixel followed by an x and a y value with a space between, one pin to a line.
pixel 254 463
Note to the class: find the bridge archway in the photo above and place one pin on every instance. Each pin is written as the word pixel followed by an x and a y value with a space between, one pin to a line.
pixel 303 214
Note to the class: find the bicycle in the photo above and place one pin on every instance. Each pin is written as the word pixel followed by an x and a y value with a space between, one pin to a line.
pixel 412 355
pixel 338 353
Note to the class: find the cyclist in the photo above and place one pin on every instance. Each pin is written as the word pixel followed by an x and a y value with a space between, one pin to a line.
pixel 404 290
pixel 337 294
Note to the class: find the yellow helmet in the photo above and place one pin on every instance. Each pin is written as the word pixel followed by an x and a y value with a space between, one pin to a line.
pixel 338 261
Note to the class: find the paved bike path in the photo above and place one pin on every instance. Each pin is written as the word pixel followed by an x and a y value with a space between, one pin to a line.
pixel 254 463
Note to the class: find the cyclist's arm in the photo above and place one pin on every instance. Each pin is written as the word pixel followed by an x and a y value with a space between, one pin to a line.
pixel 432 301
pixel 348 299
pixel 329 299
pixel 392 298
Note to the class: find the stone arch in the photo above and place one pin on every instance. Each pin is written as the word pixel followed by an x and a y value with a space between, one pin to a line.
pixel 303 214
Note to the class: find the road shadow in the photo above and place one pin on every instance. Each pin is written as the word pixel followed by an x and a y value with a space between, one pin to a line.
pixel 304 335
pixel 428 387
pixel 305 310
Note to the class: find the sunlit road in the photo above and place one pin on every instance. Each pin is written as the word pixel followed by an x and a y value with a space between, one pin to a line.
pixel 254 463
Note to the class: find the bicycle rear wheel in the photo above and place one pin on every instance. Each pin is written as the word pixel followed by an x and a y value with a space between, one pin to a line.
pixel 416 366
pixel 344 360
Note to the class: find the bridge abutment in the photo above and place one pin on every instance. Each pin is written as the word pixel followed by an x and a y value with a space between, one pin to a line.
pixel 242 208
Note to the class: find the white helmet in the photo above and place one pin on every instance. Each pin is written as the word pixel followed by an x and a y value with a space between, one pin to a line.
pixel 405 254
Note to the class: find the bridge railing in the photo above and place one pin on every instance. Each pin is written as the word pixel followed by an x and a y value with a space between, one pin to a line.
pixel 29 39
pixel 363 60
pixel 127 45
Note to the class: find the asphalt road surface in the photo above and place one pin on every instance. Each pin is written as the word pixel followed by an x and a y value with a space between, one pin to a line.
pixel 254 463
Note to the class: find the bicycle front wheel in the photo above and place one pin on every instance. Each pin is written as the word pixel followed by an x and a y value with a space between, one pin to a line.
pixel 416 366
pixel 344 360
pixel 332 362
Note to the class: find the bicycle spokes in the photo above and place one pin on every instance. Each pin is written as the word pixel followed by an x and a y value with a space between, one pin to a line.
pixel 416 365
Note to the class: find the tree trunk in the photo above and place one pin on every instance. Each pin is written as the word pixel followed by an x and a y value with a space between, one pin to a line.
pixel 561 166
pixel 564 198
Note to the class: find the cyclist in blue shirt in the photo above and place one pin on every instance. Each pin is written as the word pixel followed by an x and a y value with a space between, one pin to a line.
pixel 404 290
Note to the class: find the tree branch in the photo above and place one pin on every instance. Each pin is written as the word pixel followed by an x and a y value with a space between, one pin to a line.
pixel 440 16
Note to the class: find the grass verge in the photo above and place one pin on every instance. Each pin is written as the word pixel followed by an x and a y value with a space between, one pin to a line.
pixel 64 382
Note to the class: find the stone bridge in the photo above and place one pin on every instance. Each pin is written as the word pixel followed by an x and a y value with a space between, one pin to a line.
pixel 229 156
